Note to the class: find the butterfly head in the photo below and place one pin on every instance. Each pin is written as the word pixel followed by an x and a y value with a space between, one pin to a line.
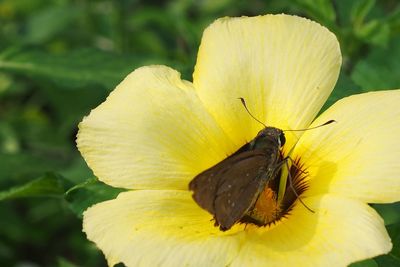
pixel 272 134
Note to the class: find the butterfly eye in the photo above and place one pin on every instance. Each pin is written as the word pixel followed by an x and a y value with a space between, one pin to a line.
pixel 282 139
pixel 261 134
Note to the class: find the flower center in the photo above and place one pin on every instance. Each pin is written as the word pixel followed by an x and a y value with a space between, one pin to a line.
pixel 267 210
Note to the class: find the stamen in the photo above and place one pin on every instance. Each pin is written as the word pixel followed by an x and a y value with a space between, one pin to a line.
pixel 266 210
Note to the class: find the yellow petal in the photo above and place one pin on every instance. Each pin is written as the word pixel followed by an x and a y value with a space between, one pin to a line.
pixel 359 155
pixel 341 231
pixel 154 228
pixel 151 132
pixel 284 66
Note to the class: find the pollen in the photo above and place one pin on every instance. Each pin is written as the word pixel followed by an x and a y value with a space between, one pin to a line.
pixel 266 209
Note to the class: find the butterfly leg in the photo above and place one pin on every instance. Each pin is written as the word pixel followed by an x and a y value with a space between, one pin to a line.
pixel 285 160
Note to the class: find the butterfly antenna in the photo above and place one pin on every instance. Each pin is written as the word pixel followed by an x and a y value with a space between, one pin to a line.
pixel 299 130
pixel 245 106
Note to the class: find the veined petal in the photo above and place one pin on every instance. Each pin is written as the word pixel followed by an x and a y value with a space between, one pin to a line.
pixel 151 132
pixel 359 155
pixel 341 231
pixel 154 228
pixel 284 66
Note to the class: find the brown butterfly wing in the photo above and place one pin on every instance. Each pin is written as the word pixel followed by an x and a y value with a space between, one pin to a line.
pixel 230 188
pixel 204 187
pixel 240 187
pixel 205 184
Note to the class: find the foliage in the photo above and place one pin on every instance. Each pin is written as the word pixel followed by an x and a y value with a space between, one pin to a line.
pixel 59 59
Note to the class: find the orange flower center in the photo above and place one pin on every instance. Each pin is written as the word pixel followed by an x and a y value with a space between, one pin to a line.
pixel 267 210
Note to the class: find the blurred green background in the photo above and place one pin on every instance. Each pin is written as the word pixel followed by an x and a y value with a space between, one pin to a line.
pixel 59 59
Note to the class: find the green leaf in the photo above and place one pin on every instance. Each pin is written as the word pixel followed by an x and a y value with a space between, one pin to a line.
pixel 394 232
pixel 380 69
pixel 389 212
pixel 22 167
pixel 48 22
pixel 62 262
pixel 321 10
pixel 88 193
pixel 374 32
pixel 48 185
pixel 394 19
pixel 343 13
pixel 360 10
pixel 365 263
pixel 76 69
pixel 388 261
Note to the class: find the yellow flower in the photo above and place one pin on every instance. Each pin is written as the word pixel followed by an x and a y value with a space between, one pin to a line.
pixel 156 132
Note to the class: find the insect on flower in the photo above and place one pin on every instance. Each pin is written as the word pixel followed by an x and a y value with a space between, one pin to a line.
pixel 279 197
pixel 230 189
